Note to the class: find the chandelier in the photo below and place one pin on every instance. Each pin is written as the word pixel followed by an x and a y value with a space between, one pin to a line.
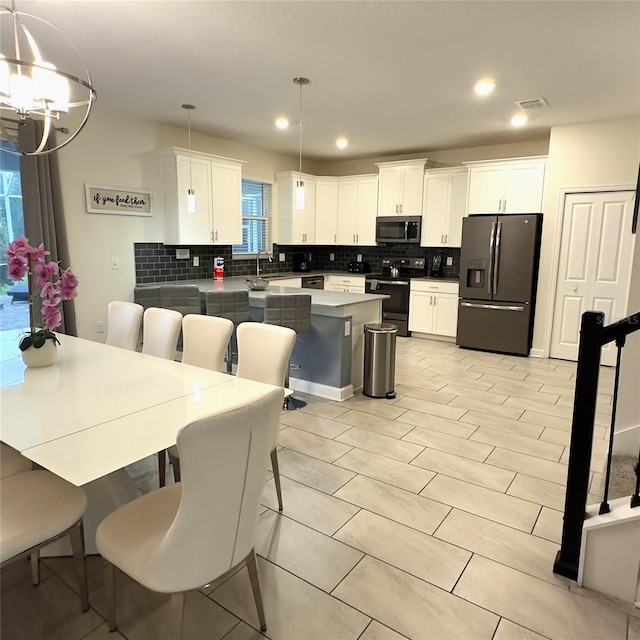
pixel 32 87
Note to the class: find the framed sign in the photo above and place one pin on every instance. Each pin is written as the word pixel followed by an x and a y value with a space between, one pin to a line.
pixel 118 201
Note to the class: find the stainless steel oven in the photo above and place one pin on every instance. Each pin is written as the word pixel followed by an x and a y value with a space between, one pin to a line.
pixel 395 309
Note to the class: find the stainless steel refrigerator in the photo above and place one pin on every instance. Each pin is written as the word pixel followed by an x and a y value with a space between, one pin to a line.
pixel 498 278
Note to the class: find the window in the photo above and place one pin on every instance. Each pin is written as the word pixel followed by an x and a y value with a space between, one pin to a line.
pixel 256 219
pixel 11 218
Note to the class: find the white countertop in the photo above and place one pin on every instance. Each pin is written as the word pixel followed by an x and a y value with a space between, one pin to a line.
pixel 320 299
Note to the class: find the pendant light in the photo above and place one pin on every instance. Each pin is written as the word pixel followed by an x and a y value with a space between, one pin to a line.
pixel 300 183
pixel 34 88
pixel 191 194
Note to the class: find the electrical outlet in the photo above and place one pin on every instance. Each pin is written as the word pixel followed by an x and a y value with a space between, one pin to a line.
pixel 100 326
pixel 196 261
pixel 282 257
pixel 332 257
pixel 359 258
pixel 449 261
pixel 347 328
pixel 115 263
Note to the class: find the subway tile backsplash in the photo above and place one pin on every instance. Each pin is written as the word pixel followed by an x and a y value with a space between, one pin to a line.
pixel 157 262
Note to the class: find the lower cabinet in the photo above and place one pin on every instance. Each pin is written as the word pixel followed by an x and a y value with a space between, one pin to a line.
pixel 346 284
pixel 433 308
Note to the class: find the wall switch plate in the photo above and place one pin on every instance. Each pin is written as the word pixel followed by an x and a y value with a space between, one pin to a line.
pixel 347 328
pixel 183 254
pixel 332 257
pixel 196 261
pixel 282 257
pixel 100 326
pixel 115 263
pixel 449 261
pixel 359 258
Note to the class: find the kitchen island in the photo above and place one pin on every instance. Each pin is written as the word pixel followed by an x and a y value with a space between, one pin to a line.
pixel 331 354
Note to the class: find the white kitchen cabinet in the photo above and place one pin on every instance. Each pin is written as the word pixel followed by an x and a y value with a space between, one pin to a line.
pixel 506 186
pixel 346 284
pixel 296 226
pixel 367 210
pixel 433 307
pixel 357 210
pixel 217 183
pixel 445 204
pixel 347 212
pixel 400 187
pixel 327 209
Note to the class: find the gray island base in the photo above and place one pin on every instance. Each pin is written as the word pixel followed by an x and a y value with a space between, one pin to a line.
pixel 331 354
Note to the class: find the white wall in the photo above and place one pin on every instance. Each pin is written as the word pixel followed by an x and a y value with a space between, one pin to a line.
pixel 597 154
pixel 105 154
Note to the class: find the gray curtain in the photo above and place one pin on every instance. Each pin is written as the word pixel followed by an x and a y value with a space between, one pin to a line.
pixel 43 213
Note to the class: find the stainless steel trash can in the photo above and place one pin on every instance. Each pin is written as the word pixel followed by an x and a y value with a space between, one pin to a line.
pixel 379 360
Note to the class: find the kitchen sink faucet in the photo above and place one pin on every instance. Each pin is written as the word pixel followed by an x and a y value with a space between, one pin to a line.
pixel 266 253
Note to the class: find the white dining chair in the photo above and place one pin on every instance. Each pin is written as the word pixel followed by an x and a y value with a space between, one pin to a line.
pixel 123 324
pixel 263 355
pixel 205 340
pixel 12 461
pixel 185 535
pixel 204 344
pixel 38 507
pixel 161 328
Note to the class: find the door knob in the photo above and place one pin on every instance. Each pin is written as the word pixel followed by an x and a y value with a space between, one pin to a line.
pixel 575 289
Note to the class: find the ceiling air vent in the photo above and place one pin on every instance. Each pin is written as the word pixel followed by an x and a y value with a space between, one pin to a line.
pixel 533 104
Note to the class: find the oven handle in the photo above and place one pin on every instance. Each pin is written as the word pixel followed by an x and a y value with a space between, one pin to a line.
pixel 375 285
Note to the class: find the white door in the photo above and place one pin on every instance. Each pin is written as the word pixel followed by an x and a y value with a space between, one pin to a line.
pixel 412 183
pixel 595 267
pixel 445 315
pixel 367 208
pixel 436 208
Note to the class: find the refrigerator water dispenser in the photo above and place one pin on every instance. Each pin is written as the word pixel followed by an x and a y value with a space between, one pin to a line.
pixel 476 274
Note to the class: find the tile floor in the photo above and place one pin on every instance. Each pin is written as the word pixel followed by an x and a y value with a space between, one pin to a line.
pixel 434 516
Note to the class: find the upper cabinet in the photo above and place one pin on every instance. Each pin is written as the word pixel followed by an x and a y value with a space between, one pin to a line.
pixel 445 204
pixel 326 210
pixel 296 225
pixel 217 183
pixel 400 187
pixel 506 186
pixel 357 207
pixel 338 210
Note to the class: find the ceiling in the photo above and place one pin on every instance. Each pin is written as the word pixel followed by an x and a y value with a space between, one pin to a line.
pixel 393 77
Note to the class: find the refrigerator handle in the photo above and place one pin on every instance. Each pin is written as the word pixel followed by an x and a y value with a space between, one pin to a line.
pixel 492 240
pixel 496 260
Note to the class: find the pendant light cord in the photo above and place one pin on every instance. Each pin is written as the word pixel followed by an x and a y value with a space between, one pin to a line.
pixel 300 135
pixel 190 173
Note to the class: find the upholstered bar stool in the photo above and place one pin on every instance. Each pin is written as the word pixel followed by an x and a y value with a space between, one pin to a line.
pixel 184 298
pixel 147 296
pixel 293 311
pixel 232 305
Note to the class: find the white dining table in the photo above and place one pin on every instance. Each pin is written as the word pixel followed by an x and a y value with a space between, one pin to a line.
pixel 100 408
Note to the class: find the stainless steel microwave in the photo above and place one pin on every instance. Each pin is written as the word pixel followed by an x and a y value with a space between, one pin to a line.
pixel 398 229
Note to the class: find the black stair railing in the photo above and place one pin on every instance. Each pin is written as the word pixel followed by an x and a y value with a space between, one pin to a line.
pixel 593 336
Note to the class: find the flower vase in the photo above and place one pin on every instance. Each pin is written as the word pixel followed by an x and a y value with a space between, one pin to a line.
pixel 45 356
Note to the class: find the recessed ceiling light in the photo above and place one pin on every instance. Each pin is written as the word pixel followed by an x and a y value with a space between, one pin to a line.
pixel 484 87
pixel 282 123
pixel 519 119
pixel 341 143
